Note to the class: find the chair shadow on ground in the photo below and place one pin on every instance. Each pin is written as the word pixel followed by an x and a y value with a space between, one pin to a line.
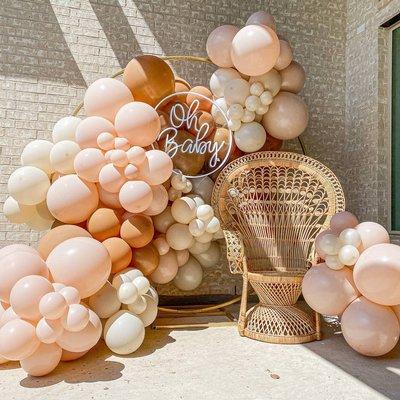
pixel 96 365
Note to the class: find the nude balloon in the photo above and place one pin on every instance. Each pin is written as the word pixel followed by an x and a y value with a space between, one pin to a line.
pixel 293 77
pixel 49 330
pixel 158 168
pixel 83 263
pixel 220 78
pixel 218 45
pixel 88 163
pixel 105 302
pixel 65 129
pixel 164 220
pixel 211 257
pixel 108 199
pixel 90 128
pixel 76 318
pixel 52 305
pixel 72 356
pixel 262 18
pixel 285 55
pixel 135 196
pixel 343 220
pixel 44 360
pixel 250 137
pixel 159 202
pixel 189 276
pixel 111 178
pixel 370 329
pixel 166 270
pixel 372 233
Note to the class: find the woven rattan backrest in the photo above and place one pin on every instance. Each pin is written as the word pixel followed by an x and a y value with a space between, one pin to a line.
pixel 279 202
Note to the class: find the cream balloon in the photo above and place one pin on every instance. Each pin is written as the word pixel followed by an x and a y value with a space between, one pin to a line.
pixel 218 45
pixel 157 169
pixel 17 213
pixel 52 305
pixel 189 276
pixel 76 318
pixel 135 196
pixel 329 244
pixel 37 154
pixel 334 262
pixel 183 210
pixel 49 330
pixel 90 128
pixel 351 237
pixel 372 233
pixel 112 178
pixel 220 78
pixel 199 248
pixel 182 257
pixel 271 80
pixel 250 137
pixel 348 254
pixel 219 111
pixel 236 91
pixel 41 218
pixel 211 257
pixel 44 360
pixel 149 315
pixel 179 237
pixel 105 302
pixel 65 129
pixel 88 163
pixel 62 156
pixel 197 227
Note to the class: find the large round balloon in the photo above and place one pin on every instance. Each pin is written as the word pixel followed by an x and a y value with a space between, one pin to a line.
pixel 88 163
pixel 287 116
pixel 37 154
pixel 149 78
pixel 104 223
pixel 377 274
pixel 83 263
pixel 220 78
pixel 105 97
pixel 136 196
pixel 219 43
pixel 327 291
pixel 65 129
pixel 90 128
pixel 250 137
pixel 44 360
pixel 370 329
pixel 293 77
pixel 255 49
pixel 157 167
pixel 166 270
pixel 189 275
pixel 372 233
pixel 137 230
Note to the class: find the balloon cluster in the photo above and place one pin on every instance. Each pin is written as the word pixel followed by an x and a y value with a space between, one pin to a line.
pixel 257 84
pixel 358 282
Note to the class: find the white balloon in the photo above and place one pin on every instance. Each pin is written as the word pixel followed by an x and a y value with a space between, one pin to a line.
pixel 189 276
pixel 203 187
pixel 105 302
pixel 153 293
pixel 250 137
pixel 17 213
pixel 209 258
pixel 127 293
pixel 213 225
pixel 149 315
pixel 138 306
pixel 330 244
pixel 236 91
pixel 348 254
pixel 197 199
pixel 219 111
pixel 124 276
pixel 174 194
pixel 219 79
pixel 124 332
pixel 62 156
pixel 183 210
pixel 179 237
pixel 37 154
pixel 197 227
pixel 333 262
pixel 266 98
pixel 142 284
pixel 41 218
pixel 28 185
pixel 178 181
pixel 350 236
pixel 205 212
pixel 198 248
pixel 65 129
pixel 234 124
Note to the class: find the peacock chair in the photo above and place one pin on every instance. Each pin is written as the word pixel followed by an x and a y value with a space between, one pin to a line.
pixel 272 205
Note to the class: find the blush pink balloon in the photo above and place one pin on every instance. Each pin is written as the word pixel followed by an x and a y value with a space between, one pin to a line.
pixel 135 196
pixel 82 262
pixel 90 128
pixel 83 340
pixel 327 291
pixel 52 305
pixel 18 340
pixel 111 178
pixel 136 155
pixel 159 202
pixel 166 270
pixel 343 220
pixel 76 318
pixel 15 266
pixel 219 43
pixel 105 141
pixel 318 249
pixel 255 50
pixel 118 158
pixel 109 199
pixel 131 172
pixel 26 294
pixel 138 122
pixel 71 295
pixel 157 168
pixel 72 200
pixel 370 329
pixel 377 274
pixel 8 315
pixel 49 330
pixel 12 248
pixel 121 143
pixel 88 163
pixel 105 97
pixel 44 360
pixel 371 234
pixel 71 356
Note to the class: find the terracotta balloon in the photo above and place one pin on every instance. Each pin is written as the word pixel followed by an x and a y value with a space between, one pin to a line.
pixel 371 234
pixel 285 55
pixel 293 77
pixel 327 291
pixel 219 43
pixel 158 167
pixel 88 163
pixel 159 202
pixel 255 49
pixel 105 97
pixel 287 116
pixel 272 144
pixel 44 360
pixel 343 220
pixel 104 223
pixel 262 18
pixel 204 99
pixel 120 253
pixel 149 78
pixel 137 230
pixel 166 270
pixel 58 235
pixel 16 266
pixel 146 259
pixel 72 200
pixel 370 329
pixel 135 196
pixel 164 220
pixel 90 128
pixel 83 263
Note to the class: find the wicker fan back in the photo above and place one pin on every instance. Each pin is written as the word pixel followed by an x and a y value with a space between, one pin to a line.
pixel 279 202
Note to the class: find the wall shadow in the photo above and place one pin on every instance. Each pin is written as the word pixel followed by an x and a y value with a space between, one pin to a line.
pixel 32 43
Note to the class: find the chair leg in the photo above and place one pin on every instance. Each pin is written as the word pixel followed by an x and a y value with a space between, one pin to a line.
pixel 243 307
pixel 318 325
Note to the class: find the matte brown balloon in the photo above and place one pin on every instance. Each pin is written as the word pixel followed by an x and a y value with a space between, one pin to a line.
pixel 120 253
pixel 287 116
pixel 58 235
pixel 104 223
pixel 204 104
pixel 149 78
pixel 138 230
pixel 146 259
pixel 179 114
pixel 293 77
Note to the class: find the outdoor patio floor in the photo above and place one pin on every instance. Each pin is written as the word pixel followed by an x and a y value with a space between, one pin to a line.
pixel 215 363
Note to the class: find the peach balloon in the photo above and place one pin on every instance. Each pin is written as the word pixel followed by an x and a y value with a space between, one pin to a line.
pixel 158 168
pixel 104 223
pixel 105 141
pixel 70 294
pixel 88 163
pixel 287 116
pixel 76 318
pixel 105 97
pixel 377 274
pixel 138 122
pixel 83 263
pixel 26 295
pixel 255 49
pixel 58 235
pixel 18 340
pixel 218 45
pixel 90 128
pixel 72 356
pixel 285 55
pixel 17 265
pixel 370 329
pixel 52 305
pixel 371 234
pixel 293 77
pixel 135 196
pixel 343 220
pixel 262 18
pixel 44 360
pixel 12 248
pixel 137 230
pixel 327 291
pixel 112 178
pixel 49 330
pixel 83 340
pixel 162 245
pixel 166 270
pixel 109 199
pixel 8 315
pixel 120 253
pixel 146 259
pixel 159 202
pixel 72 200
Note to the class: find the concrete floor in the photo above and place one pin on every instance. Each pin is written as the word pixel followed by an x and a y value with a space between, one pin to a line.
pixel 214 363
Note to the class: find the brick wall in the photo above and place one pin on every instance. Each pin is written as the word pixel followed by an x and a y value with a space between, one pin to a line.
pixel 50 50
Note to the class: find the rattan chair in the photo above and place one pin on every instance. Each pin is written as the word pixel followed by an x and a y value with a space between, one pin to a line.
pixel 271 206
